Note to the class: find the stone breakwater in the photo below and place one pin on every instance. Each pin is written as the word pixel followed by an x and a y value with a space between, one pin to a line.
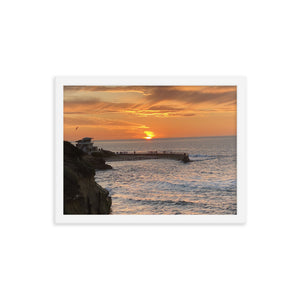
pixel 140 156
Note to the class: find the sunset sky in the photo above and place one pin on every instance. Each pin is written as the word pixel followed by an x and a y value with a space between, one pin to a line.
pixel 137 112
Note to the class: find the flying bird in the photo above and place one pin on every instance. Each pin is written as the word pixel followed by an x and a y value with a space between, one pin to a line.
pixel 77 127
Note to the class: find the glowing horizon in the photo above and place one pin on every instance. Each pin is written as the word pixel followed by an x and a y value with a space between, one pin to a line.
pixel 148 112
pixel 149 135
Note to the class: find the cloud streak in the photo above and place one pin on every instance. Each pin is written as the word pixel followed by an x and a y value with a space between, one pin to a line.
pixel 120 112
pixel 87 121
pixel 159 101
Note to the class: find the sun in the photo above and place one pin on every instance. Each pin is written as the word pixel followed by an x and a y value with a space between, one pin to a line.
pixel 149 135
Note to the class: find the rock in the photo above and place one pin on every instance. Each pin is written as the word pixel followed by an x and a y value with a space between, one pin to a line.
pixel 97 162
pixel 103 153
pixel 82 195
pixel 186 158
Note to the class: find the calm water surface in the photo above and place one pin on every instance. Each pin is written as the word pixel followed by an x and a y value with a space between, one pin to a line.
pixel 207 185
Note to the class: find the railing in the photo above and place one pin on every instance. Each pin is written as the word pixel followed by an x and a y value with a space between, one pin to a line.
pixel 139 155
pixel 150 152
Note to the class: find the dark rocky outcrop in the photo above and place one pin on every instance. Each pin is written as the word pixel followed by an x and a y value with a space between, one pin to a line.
pixel 82 195
pixel 97 162
pixel 103 153
pixel 185 158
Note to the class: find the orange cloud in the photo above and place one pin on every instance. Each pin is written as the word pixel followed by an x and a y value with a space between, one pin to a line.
pixel 132 109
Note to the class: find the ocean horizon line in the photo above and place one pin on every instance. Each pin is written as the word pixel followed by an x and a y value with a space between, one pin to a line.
pixel 171 138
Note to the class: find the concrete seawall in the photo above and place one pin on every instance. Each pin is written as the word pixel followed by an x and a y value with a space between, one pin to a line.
pixel 140 156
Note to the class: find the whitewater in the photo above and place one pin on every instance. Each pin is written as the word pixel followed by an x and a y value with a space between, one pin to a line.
pixel 206 185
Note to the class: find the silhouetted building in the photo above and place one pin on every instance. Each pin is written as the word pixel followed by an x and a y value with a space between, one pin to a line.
pixel 86 145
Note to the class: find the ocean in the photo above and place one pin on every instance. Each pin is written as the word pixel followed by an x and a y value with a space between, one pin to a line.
pixel 204 186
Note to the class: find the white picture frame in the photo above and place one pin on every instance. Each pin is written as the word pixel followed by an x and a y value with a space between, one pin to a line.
pixel 238 81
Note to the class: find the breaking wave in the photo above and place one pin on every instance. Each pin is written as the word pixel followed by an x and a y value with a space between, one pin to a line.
pixel 161 186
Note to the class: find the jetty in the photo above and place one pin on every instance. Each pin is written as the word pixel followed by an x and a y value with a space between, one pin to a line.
pixel 125 156
pixel 96 155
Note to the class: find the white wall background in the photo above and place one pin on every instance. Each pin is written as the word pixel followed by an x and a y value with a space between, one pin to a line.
pixel 42 39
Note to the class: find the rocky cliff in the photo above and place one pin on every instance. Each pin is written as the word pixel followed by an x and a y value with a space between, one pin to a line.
pixel 82 195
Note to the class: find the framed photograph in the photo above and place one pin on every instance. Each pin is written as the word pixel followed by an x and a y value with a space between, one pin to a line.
pixel 150 150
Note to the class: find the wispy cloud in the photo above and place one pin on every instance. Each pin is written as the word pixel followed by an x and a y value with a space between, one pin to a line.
pixel 158 101
pixel 127 111
pixel 112 89
pixel 90 121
